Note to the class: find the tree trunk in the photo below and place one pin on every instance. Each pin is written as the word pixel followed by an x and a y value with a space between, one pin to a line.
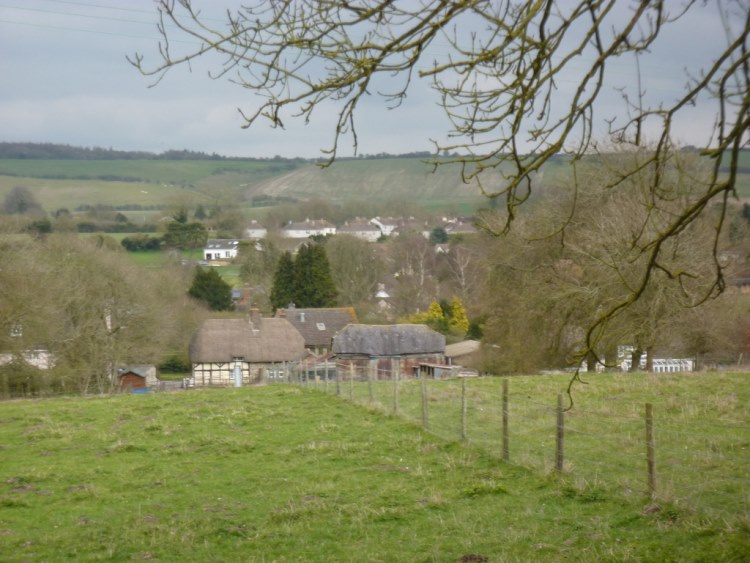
pixel 650 359
pixel 635 360
pixel 591 362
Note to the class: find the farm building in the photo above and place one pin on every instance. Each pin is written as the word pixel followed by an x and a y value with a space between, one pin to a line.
pixel 223 348
pixel 137 377
pixel 318 325
pixel 385 351
pixel 465 353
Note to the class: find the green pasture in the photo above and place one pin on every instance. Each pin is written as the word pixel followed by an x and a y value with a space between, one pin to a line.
pixel 154 171
pixel 281 473
pixel 701 422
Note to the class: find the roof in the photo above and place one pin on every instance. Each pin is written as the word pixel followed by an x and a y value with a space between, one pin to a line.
pixel 307 225
pixel 267 340
pixel 388 340
pixel 358 226
pixel 462 348
pixel 318 325
pixel 222 244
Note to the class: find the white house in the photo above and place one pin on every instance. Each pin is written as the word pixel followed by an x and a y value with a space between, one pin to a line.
pixel 256 231
pixel 361 229
pixel 220 249
pixel 386 224
pixel 308 228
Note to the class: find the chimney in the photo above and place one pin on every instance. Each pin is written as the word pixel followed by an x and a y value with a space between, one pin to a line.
pixel 254 317
pixel 302 317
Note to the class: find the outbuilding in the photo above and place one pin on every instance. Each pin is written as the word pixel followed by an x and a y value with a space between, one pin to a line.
pixel 386 351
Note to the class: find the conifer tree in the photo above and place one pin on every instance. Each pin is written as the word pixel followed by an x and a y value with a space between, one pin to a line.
pixel 459 319
pixel 313 286
pixel 282 292
pixel 208 286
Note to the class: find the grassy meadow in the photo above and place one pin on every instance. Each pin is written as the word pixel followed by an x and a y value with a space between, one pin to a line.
pixel 280 473
pixel 158 183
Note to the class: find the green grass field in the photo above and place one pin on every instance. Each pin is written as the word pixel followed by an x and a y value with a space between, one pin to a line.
pixel 165 183
pixel 281 473
pixel 702 424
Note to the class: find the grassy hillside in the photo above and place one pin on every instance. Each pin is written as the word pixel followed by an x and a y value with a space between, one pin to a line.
pixel 70 183
pixel 283 473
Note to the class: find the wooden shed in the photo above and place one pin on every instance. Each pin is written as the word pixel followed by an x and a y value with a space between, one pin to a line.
pixel 254 346
pixel 386 351
pixel 137 377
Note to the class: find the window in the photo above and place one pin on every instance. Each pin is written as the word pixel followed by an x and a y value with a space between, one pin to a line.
pixel 321 326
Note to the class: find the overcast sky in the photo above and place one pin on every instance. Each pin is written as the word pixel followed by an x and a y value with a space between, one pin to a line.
pixel 65 79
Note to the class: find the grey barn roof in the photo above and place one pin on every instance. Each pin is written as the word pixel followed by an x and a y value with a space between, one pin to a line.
pixel 388 340
pixel 266 341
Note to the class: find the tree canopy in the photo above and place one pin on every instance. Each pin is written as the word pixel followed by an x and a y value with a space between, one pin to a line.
pixel 209 287
pixel 304 280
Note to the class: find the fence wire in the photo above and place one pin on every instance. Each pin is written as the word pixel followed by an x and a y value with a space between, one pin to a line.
pixel 700 464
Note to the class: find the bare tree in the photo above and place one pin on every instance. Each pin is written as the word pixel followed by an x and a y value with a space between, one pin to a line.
pixel 497 80
pixel 356 268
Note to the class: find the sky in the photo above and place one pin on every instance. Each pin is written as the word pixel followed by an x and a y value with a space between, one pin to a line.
pixel 65 79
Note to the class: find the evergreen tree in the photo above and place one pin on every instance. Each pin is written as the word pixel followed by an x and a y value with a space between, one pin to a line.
pixel 282 292
pixel 200 213
pixel 438 235
pixel 459 319
pixel 313 282
pixel 208 286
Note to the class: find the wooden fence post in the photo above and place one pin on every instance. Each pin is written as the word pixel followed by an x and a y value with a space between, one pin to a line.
pixel 559 458
pixel 325 374
pixel 506 447
pixel 338 381
pixel 351 381
pixel 371 370
pixel 425 415
pixel 650 451
pixel 463 409
pixel 395 373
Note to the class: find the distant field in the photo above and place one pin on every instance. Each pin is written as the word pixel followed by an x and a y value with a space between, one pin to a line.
pixel 285 474
pixel 160 183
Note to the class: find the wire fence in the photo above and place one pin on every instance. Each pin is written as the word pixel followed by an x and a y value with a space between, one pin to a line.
pixel 634 449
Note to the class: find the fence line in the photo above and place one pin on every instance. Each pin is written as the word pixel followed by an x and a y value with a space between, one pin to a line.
pixel 630 451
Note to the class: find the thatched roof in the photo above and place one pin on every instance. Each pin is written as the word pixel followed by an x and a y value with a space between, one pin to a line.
pixel 388 340
pixel 463 348
pixel 318 325
pixel 265 341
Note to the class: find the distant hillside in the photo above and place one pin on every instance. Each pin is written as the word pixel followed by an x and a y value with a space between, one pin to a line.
pixel 78 177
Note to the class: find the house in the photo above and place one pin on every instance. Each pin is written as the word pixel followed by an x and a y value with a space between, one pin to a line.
pixel 459 226
pixel 137 377
pixel 226 352
pixel 308 228
pixel 386 225
pixel 256 231
pixel 412 225
pixel 361 229
pixel 318 326
pixel 385 351
pixel 36 358
pixel 218 249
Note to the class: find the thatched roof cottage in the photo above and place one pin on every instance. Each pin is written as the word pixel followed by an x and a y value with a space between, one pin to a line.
pixel 254 345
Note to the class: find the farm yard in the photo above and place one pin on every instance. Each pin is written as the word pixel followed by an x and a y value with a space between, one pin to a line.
pixel 284 472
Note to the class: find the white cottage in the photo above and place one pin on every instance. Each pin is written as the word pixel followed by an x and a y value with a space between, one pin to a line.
pixel 218 249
